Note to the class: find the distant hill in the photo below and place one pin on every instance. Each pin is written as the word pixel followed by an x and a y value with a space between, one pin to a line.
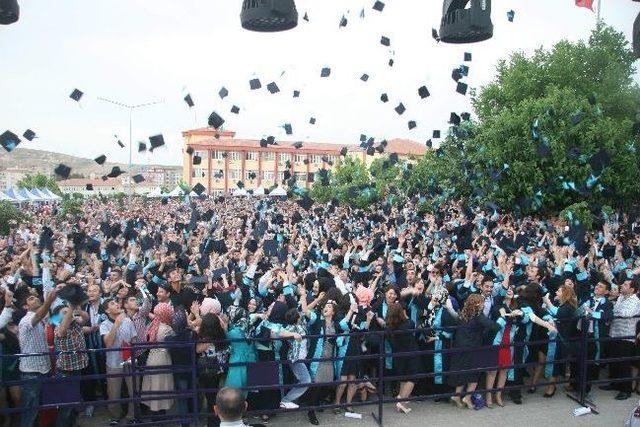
pixel 39 160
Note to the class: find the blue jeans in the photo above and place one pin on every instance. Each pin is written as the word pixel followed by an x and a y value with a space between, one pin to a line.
pixel 31 390
pixel 301 372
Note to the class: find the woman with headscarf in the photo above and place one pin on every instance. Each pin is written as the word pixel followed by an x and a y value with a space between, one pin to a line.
pixel 157 332
pixel 242 350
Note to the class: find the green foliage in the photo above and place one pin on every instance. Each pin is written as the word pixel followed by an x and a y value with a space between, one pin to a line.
pixel 9 213
pixel 184 186
pixel 580 213
pixel 38 181
pixel 321 193
pixel 70 206
pixel 386 177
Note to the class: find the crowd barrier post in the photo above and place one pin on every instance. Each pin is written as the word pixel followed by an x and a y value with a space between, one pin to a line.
pixel 381 354
pixel 194 385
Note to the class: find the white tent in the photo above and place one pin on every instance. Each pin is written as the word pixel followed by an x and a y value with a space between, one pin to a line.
pixel 51 194
pixel 156 192
pixel 193 194
pixel 240 192
pixel 29 196
pixel 15 196
pixel 258 191
pixel 41 194
pixel 278 191
pixel 5 198
pixel 176 192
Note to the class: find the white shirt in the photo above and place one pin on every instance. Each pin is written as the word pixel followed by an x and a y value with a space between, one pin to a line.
pixel 125 334
pixel 625 311
pixel 33 340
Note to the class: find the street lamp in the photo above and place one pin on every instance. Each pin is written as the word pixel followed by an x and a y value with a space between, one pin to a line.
pixel 130 108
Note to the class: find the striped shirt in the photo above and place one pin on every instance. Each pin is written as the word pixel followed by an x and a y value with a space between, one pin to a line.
pixel 624 322
pixel 140 324
pixel 33 340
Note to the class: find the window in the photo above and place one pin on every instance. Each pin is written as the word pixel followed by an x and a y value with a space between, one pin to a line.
pixel 252 155
pixel 300 158
pixel 269 156
pixel 267 175
pixel 280 176
pixel 201 154
pixel 199 173
pixel 301 176
pixel 284 157
pixel 316 159
pixel 332 159
pixel 250 174
pixel 234 156
pixel 217 155
pixel 234 174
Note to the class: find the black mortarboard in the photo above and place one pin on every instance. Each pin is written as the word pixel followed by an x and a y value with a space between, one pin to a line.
pixel 456 74
pixel 138 178
pixel 29 135
pixel 543 150
pixel 599 161
pixel 325 72
pixel 391 62
pixel 115 172
pixel 197 160
pixel 380 149
pixel 9 141
pixel 287 128
pixel 363 137
pixel 467 56
pixel 385 41
pixel 429 143
pixel 576 118
pixel 235 109
pixel 423 92
pixel 273 87
pixel 255 84
pixel 215 120
pixel 156 141
pixel 412 124
pixel 142 146
pixel 461 88
pixel 240 184
pixel 384 97
pixel 121 144
pixel 263 143
pixel 436 134
pixel 89 187
pixel 198 189
pixel 325 158
pixel 76 95
pixel 364 77
pixel 296 93
pixel 189 150
pixel 62 171
pixel 343 21
pixel 223 93
pixel 104 177
pixel 310 177
pixel 297 145
pixel 510 15
pixel 189 100
pixel 286 174
pixel 378 5
pixel 252 175
pixel 434 34
pixel 343 151
pixel 464 70
pixel 592 99
pixel 312 120
pixel 100 159
pixel 454 119
pixel 92 245
pixel 400 109
pixel 305 161
pixel 465 116
pixel 306 17
pixel 371 151
pixel 73 294
pixel 305 203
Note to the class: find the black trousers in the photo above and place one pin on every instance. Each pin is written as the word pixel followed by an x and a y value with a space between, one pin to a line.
pixel 621 348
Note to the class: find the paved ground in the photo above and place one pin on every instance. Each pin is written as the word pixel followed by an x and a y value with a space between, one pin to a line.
pixel 534 411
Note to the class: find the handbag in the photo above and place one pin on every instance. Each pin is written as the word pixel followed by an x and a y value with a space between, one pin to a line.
pixel 213 362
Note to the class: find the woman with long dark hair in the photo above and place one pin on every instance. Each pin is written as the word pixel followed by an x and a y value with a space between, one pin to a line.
pixel 213 353
pixel 403 339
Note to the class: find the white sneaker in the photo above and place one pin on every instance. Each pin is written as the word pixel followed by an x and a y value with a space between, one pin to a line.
pixel 88 411
pixel 288 405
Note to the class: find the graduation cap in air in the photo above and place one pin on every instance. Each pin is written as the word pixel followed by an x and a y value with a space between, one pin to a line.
pixel 235 109
pixel 288 129
pixel 325 72
pixel 286 174
pixel 400 109
pixel 384 97
pixel 378 5
pixel 100 159
pixel 305 161
pixel 223 93
pixel 305 203
pixel 371 151
pixel 599 161
pixel 312 120
pixel 89 187
pixel 76 95
pixel 343 151
pixel 252 175
pixel 436 134
pixel 273 88
pixel 29 135
pixel 306 17
pixel 9 140
pixel 63 171
pixel 240 184
pixel 391 62
pixel 115 172
pixel 393 158
pixel 156 141
pixel 297 145
pixel 510 15
pixel 543 149
pixel 198 189
pixel 467 56
pixel 412 124
pixel 465 116
pixel 364 77
pixel 189 100
pixel 385 41
pixel 325 158
pixel 461 88
pixel 142 146
pixel 576 118
pixel 592 99
pixel 263 143
pixel 189 150
pixel 454 119
pixel 255 84
pixel 271 140
pixel 464 70
pixel 215 120
pixel 343 22
pixel 104 177
pixel 120 143
pixel 138 178
pixel 423 92
pixel 434 34
pixel 311 177
pixel 429 143
pixel 456 74
pixel 197 160
pixel 73 294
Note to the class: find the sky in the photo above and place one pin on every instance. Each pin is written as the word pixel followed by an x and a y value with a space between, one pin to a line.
pixel 140 51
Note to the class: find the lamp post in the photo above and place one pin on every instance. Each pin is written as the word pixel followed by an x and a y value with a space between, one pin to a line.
pixel 130 108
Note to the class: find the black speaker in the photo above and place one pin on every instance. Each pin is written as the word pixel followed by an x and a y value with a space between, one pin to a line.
pixel 269 15
pixel 9 11
pixel 466 25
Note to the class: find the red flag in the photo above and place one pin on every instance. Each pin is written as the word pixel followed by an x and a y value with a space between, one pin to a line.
pixel 585 3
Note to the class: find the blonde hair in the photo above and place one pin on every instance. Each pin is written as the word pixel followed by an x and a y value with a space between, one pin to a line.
pixel 472 307
pixel 568 295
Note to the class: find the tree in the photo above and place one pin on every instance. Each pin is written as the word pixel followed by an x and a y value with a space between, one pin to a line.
pixel 385 175
pixel 70 205
pixel 184 186
pixel 38 181
pixel 574 101
pixel 8 214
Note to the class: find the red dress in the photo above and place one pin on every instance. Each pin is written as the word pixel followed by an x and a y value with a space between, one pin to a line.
pixel 504 355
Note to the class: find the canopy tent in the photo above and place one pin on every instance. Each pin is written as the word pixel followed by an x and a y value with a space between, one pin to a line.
pixel 240 192
pixel 5 198
pixel 156 192
pixel 258 191
pixel 278 191
pixel 51 194
pixel 11 192
pixel 41 194
pixel 176 192
pixel 29 196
